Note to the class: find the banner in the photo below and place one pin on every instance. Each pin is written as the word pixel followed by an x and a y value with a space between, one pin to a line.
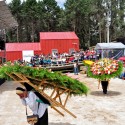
pixel 27 54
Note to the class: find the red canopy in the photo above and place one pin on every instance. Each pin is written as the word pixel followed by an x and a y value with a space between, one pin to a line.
pixel 122 58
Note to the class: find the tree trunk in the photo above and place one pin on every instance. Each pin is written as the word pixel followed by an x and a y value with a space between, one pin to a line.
pixel 100 36
pixel 32 34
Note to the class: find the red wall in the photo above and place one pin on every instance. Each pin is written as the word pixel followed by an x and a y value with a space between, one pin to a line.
pixel 15 55
pixel 37 52
pixel 11 56
pixel 46 48
pixel 61 45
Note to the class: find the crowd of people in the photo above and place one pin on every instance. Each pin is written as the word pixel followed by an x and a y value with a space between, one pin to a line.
pixel 61 58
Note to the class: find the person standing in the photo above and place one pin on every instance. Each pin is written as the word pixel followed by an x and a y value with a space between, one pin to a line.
pixel 75 67
pixel 41 109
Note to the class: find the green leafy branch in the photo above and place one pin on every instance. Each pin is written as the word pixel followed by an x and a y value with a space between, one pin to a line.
pixel 77 87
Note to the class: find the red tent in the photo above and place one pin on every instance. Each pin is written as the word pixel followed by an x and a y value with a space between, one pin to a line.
pixel 122 58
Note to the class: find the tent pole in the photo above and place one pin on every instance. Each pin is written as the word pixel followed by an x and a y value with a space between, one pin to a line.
pixel 102 54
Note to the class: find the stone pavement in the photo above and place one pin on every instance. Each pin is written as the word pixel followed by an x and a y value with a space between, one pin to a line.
pixel 94 109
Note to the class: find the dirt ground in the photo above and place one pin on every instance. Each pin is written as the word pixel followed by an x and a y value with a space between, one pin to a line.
pixel 93 109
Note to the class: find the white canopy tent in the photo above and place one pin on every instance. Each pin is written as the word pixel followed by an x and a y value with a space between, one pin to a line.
pixel 110 46
pixel 110 50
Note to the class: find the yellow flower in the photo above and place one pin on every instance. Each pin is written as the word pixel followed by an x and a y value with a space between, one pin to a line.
pixel 88 62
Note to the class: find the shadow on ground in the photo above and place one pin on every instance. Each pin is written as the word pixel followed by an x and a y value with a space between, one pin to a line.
pixel 61 123
pixel 109 93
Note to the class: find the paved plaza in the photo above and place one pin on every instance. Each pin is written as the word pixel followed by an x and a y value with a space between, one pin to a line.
pixel 93 109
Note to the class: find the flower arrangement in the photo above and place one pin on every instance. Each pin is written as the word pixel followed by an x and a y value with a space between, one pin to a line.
pixel 104 69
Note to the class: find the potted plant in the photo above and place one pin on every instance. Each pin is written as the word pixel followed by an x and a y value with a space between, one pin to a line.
pixel 104 70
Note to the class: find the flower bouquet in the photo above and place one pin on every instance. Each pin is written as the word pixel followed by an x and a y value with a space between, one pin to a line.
pixel 104 70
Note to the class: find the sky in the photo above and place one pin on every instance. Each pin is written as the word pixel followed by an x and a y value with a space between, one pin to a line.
pixel 60 2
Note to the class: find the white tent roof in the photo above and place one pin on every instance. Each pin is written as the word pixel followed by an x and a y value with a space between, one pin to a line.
pixel 109 46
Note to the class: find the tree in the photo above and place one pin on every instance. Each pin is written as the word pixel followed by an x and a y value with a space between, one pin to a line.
pixel 78 15
pixel 2 43
pixel 87 18
pixel 16 8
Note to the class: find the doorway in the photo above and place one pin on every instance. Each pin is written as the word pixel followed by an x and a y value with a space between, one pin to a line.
pixel 54 52
pixel 71 51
